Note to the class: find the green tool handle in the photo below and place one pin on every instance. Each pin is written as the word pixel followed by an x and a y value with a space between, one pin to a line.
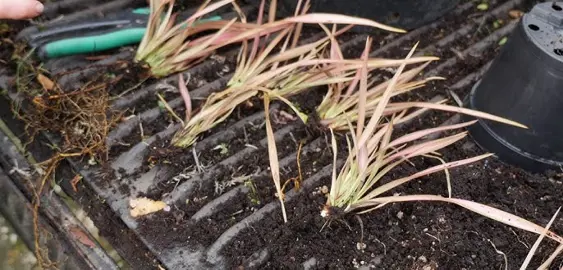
pixel 98 43
pixel 80 45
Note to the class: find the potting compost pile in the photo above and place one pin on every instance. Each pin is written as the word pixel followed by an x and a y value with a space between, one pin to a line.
pixel 221 207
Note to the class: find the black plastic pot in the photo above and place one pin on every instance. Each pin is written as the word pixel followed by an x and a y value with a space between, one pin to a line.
pixel 406 14
pixel 525 84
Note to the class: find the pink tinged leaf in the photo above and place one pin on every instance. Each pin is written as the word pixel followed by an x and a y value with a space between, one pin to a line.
pixel 384 101
pixel 551 258
pixel 208 9
pixel 377 170
pixel 168 22
pixel 297 33
pixel 283 48
pixel 223 39
pixel 239 11
pixel 363 95
pixel 341 19
pixel 395 183
pixel 376 138
pixel 185 96
pixel 456 109
pixel 335 52
pixel 411 116
pixel 409 75
pixel 484 210
pixel 81 236
pixel 427 147
pixel 268 50
pixel 423 133
pixel 272 11
pixel 354 83
pixel 256 42
pixel 203 49
pixel 538 241
pixel 237 27
pixel 362 158
pixel 298 7
pixel 347 64
pixel 304 49
pixel 295 52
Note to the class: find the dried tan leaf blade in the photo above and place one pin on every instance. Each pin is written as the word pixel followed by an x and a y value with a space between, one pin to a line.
pixel 45 82
pixel 144 206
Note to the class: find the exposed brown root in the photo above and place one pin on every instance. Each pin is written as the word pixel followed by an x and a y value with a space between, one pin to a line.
pixel 82 119
pixel 296 180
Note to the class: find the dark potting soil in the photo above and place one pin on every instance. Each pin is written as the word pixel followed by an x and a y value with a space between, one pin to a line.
pixel 261 193
pixel 422 235
pixel 182 158
pixel 115 231
pixel 262 190
pixel 132 76
pixel 249 165
pixel 162 150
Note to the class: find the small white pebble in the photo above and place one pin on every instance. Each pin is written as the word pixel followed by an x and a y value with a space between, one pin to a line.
pixel 400 215
pixel 355 263
pixel 324 189
pixel 425 230
pixel 361 246
pixel 13 238
pixel 92 161
pixel 57 189
pixel 423 259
